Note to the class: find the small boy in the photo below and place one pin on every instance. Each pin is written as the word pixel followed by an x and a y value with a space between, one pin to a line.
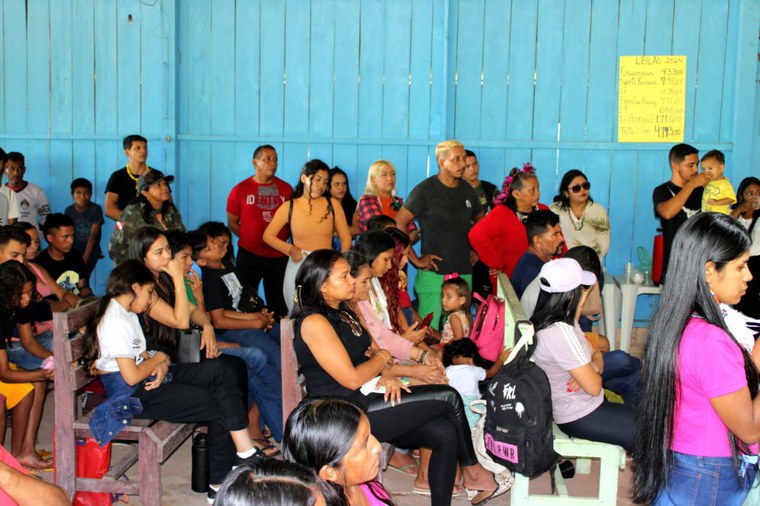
pixel 227 302
pixel 88 218
pixel 718 194
pixel 32 202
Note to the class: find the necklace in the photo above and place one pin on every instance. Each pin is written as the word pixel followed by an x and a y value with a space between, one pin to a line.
pixel 133 178
pixel 356 328
pixel 577 222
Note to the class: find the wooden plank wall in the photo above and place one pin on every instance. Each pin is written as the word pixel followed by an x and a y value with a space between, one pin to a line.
pixel 350 81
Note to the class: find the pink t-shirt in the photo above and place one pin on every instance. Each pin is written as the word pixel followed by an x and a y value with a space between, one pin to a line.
pixel 710 365
pixel 367 489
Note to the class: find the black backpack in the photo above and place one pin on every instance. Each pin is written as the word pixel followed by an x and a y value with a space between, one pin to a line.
pixel 518 426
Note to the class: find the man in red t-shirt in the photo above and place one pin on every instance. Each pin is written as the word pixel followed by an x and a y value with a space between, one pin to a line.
pixel 250 207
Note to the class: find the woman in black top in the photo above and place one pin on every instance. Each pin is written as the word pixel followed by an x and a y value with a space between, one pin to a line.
pixel 338 356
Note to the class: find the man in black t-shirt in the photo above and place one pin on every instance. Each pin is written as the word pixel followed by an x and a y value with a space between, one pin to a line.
pixel 59 259
pixel 445 206
pixel 121 188
pixel 677 200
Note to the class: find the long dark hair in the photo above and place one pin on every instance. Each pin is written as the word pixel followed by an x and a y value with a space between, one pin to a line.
pixel 390 280
pixel 706 237
pixel 311 275
pixel 119 282
pixel 514 182
pixel 13 276
pixel 320 432
pixel 552 308
pixel 158 333
pixel 349 202
pixel 564 186
pixel 271 482
pixel 746 182
pixel 309 170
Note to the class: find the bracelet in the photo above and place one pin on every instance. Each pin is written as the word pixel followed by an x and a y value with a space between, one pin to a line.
pixel 423 356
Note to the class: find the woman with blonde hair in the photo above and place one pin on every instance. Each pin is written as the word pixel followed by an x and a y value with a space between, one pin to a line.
pixel 380 196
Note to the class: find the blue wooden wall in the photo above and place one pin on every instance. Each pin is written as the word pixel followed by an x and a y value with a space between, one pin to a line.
pixel 351 81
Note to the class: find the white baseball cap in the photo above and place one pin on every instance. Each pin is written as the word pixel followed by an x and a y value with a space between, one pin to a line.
pixel 563 275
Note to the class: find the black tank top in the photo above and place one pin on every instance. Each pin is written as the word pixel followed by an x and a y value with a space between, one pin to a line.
pixel 318 382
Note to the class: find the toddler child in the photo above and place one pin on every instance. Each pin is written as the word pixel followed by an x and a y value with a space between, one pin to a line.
pixel 718 194
pixel 465 368
pixel 88 218
pixel 455 300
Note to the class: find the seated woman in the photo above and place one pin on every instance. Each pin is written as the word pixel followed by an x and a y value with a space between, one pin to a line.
pixel 171 311
pixel 332 436
pixel 153 208
pixel 575 370
pixel 271 482
pixel 210 392
pixel 313 220
pixel 338 356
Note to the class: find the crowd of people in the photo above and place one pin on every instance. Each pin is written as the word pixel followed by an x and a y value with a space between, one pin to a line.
pixel 378 365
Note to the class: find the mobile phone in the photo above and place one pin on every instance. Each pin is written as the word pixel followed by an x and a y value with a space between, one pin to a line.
pixel 426 321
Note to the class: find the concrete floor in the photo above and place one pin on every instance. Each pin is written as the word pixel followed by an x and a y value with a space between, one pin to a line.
pixel 175 473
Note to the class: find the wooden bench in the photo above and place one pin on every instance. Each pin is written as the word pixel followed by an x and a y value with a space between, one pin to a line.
pixel 152 442
pixel 611 457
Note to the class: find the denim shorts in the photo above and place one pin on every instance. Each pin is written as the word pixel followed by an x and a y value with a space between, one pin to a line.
pixel 704 481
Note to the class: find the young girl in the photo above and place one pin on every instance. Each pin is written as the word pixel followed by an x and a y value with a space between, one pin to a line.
pixel 209 392
pixel 465 369
pixel 698 426
pixel 455 299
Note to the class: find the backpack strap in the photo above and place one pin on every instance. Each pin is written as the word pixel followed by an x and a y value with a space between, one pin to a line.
pixel 526 340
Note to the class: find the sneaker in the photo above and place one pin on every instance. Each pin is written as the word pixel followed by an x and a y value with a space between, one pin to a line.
pixel 211 496
pixel 257 455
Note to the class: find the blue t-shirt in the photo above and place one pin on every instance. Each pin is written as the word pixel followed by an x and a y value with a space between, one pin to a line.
pixel 526 270
pixel 83 223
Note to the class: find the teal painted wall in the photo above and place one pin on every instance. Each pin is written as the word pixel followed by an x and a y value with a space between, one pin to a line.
pixel 351 81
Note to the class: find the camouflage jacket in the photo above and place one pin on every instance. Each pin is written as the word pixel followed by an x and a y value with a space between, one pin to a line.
pixel 130 221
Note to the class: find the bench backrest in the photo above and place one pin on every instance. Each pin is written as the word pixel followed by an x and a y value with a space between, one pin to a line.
pixel 516 324
pixel 68 347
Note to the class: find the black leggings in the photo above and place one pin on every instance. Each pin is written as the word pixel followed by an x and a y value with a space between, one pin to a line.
pixel 609 423
pixel 213 392
pixel 432 416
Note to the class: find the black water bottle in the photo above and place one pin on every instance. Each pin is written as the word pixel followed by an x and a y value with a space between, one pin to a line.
pixel 199 481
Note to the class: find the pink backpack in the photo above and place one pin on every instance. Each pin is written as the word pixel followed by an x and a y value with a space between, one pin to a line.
pixel 488 329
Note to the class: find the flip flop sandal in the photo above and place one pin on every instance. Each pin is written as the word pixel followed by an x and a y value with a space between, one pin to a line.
pixel 457 492
pixel 44 454
pixel 406 469
pixel 268 449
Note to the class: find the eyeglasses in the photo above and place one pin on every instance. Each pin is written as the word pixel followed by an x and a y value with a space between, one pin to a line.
pixel 577 188
pixel 356 328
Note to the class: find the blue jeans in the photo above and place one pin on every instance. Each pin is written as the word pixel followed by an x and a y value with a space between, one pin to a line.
pixel 22 358
pixel 267 341
pixel 621 374
pixel 704 481
pixel 264 387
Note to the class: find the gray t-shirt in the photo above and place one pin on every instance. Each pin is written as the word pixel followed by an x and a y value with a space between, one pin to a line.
pixel 560 349
pixel 445 217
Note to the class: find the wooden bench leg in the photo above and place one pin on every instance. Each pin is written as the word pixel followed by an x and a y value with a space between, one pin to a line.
pixel 150 471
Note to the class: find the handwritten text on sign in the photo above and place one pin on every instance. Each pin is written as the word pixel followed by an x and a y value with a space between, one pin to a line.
pixel 652 98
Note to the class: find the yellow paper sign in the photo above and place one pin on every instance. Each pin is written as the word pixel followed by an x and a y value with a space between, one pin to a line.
pixel 652 99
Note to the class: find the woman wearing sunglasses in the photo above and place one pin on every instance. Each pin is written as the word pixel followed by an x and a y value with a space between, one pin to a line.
pixel 583 221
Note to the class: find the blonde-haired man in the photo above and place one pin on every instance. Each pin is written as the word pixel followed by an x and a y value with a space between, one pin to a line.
pixel 445 206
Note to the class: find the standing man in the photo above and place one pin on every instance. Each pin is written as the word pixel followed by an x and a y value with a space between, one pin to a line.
pixel 8 206
pixel 481 278
pixel 32 202
pixel 677 200
pixel 121 189
pixel 250 207
pixel 445 207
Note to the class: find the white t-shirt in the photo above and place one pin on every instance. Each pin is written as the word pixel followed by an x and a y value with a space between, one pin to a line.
pixel 119 336
pixel 33 204
pixel 8 205
pixel 754 249
pixel 560 349
pixel 464 378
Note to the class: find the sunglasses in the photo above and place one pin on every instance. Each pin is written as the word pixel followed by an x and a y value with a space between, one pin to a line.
pixel 577 188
